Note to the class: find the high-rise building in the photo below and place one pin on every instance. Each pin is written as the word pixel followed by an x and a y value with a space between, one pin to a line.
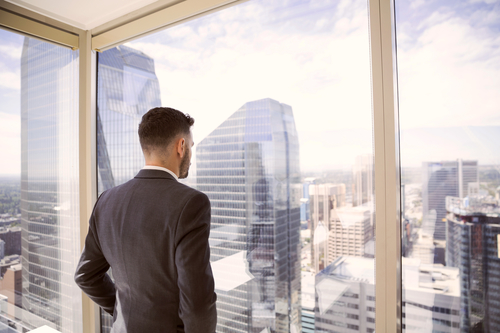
pixel 12 239
pixel 249 168
pixel 127 89
pixel 50 217
pixel 363 180
pixel 304 201
pixel 439 180
pixel 350 232
pixel 472 245
pixel 345 297
pixel 323 200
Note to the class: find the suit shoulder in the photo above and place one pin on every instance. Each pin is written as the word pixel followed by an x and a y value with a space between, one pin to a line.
pixel 191 193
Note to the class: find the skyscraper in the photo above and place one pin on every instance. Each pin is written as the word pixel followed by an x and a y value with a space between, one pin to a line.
pixel 442 179
pixel 249 168
pixel 50 217
pixel 472 245
pixel 127 89
pixel 363 180
pixel 323 200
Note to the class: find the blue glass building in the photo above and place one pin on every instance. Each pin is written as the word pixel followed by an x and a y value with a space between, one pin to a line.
pixel 127 89
pixel 249 168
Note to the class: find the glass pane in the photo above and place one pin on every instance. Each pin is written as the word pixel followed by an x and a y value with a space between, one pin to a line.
pixel 39 211
pixel 283 148
pixel 449 78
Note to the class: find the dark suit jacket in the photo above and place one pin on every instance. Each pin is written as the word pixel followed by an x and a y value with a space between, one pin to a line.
pixel 153 232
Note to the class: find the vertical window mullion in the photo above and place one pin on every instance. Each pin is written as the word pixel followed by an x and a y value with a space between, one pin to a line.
pixel 387 171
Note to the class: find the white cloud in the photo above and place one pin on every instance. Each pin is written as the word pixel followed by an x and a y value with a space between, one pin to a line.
pixel 10 80
pixel 451 77
pixel 12 51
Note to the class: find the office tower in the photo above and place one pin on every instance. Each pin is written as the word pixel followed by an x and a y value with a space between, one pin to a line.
pixel 472 245
pixel 304 202
pixel 50 216
pixel 345 297
pixel 363 180
pixel 439 180
pixel 12 239
pixel 350 232
pixel 127 89
pixel 323 200
pixel 249 168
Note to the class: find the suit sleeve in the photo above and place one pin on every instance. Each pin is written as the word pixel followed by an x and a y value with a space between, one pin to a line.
pixel 192 257
pixel 91 273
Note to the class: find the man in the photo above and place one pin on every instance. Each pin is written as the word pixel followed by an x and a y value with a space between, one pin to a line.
pixel 153 232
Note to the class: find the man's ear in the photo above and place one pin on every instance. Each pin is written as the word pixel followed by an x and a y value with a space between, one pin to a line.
pixel 181 147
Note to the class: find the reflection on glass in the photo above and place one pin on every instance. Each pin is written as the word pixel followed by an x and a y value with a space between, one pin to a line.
pixel 450 165
pixel 39 193
pixel 291 182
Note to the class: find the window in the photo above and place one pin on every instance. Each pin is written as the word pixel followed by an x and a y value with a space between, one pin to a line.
pixel 449 100
pixel 39 189
pixel 281 98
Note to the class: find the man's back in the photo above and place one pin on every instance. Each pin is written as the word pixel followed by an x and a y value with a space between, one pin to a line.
pixel 153 232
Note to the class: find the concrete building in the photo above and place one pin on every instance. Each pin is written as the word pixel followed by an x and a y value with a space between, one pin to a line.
pixel 345 297
pixel 363 180
pixel 323 200
pixel 350 231
pixel 472 245
pixel 12 239
pixel 11 285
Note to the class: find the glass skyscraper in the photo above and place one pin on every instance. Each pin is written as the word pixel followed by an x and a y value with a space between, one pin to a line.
pixel 127 89
pixel 249 168
pixel 49 186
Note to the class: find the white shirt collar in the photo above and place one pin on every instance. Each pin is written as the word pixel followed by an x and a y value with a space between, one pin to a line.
pixel 154 167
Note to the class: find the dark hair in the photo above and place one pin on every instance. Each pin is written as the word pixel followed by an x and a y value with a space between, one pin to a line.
pixel 160 126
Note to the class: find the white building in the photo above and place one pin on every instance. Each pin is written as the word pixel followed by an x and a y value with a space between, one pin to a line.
pixel 345 297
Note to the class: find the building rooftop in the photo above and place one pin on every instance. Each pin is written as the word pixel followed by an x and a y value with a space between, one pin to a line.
pixel 429 278
pixel 473 206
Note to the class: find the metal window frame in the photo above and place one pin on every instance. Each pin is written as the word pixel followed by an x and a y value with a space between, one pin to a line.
pixel 387 167
pixel 171 12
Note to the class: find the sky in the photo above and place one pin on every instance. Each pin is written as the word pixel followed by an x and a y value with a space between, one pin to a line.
pixel 314 56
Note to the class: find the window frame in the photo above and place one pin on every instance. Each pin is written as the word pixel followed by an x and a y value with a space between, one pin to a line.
pixel 168 13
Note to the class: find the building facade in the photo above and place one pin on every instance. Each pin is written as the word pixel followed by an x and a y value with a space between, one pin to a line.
pixel 442 179
pixel 472 245
pixel 323 200
pixel 345 297
pixel 50 217
pixel 249 168
pixel 127 89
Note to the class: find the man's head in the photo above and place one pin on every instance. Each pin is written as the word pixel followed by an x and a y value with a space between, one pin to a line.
pixel 166 139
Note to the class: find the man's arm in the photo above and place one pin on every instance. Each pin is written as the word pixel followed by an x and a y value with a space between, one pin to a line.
pixel 192 258
pixel 91 274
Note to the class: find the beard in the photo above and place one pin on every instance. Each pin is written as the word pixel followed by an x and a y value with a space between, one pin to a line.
pixel 185 163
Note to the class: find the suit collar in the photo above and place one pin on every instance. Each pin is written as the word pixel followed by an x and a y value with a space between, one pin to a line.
pixel 154 174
